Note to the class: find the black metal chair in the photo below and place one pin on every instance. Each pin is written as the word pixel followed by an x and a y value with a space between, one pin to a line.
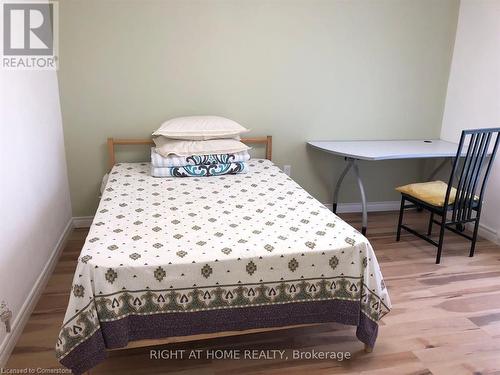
pixel 460 204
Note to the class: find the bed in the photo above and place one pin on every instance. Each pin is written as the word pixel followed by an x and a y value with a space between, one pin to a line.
pixel 179 258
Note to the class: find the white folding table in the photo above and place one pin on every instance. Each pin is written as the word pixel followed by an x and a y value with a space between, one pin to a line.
pixel 352 151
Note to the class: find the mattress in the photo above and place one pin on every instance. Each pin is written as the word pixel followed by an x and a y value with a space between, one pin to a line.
pixel 174 257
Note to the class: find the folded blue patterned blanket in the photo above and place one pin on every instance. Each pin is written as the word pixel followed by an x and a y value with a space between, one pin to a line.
pixel 203 170
pixel 180 161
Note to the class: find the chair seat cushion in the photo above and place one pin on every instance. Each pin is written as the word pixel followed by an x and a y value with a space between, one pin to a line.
pixel 432 192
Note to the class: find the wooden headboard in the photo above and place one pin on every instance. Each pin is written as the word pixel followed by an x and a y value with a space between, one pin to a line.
pixel 268 141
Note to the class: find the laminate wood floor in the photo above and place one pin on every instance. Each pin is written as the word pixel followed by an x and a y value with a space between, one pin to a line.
pixel 445 318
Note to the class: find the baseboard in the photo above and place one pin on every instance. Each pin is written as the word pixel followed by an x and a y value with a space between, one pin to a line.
pixel 82 221
pixel 484 231
pixel 371 206
pixel 86 221
pixel 22 317
pixel 488 233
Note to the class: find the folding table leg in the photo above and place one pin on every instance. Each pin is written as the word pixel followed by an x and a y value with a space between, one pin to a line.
pixel 363 197
pixel 351 163
pixel 339 183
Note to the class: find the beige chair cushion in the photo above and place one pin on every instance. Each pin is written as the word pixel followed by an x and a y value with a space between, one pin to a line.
pixel 432 192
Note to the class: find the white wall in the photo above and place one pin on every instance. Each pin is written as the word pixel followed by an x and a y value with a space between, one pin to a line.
pixel 34 193
pixel 473 97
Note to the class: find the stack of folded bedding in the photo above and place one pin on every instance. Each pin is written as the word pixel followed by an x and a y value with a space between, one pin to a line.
pixel 199 146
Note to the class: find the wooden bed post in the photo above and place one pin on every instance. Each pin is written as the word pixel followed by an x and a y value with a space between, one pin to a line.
pixel 111 153
pixel 269 147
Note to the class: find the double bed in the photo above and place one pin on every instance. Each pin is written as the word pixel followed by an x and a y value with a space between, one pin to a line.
pixel 180 257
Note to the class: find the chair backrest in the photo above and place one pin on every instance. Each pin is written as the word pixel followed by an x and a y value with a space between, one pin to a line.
pixel 477 148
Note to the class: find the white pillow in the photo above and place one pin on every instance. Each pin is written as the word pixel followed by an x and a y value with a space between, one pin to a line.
pixel 200 128
pixel 166 146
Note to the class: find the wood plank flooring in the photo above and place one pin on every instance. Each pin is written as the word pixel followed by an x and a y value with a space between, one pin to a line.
pixel 445 318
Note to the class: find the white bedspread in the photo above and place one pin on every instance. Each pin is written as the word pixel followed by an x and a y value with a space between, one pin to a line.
pixel 174 244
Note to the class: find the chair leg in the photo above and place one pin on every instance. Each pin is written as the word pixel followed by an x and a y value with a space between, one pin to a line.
pixel 400 221
pixel 474 237
pixel 441 238
pixel 429 229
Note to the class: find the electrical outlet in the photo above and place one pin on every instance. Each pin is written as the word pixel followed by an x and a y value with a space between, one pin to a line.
pixel 287 169
pixel 5 315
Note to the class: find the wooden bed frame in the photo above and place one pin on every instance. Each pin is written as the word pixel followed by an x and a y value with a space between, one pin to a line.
pixel 267 141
